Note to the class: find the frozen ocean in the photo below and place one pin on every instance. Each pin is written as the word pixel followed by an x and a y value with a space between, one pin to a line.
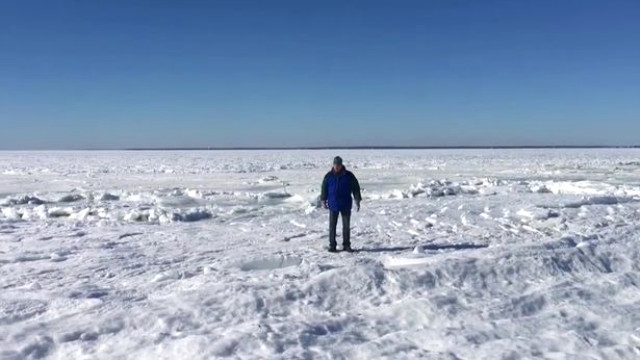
pixel 460 254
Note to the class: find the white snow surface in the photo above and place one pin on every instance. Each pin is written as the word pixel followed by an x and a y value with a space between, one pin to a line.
pixel 461 254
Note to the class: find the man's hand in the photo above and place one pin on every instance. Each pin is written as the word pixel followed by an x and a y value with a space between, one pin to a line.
pixel 325 204
pixel 357 206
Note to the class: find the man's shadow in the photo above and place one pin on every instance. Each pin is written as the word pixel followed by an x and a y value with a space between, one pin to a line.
pixel 432 247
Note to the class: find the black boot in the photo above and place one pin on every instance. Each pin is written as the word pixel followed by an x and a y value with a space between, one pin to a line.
pixel 347 248
pixel 333 250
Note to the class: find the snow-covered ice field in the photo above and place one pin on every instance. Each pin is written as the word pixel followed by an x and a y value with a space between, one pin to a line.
pixel 463 254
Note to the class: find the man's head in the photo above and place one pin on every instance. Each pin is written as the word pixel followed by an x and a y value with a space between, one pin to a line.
pixel 337 164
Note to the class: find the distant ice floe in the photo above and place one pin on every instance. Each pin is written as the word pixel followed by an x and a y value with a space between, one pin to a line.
pixel 441 188
pixel 150 215
pixel 268 179
pixel 156 215
pixel 599 200
pixel 584 188
pixel 22 200
pixel 536 213
pixel 70 198
pixel 109 197
pixel 156 206
pixel 274 195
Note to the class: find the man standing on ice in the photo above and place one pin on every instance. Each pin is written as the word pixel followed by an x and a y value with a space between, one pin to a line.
pixel 337 187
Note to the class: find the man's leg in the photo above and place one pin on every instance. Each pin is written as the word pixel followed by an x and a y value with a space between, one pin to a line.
pixel 333 223
pixel 346 229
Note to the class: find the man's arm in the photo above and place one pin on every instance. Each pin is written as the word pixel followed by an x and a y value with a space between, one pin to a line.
pixel 325 188
pixel 355 189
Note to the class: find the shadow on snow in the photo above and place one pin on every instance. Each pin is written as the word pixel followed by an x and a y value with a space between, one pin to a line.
pixel 432 247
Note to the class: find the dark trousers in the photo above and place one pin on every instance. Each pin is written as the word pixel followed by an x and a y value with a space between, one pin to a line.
pixel 346 228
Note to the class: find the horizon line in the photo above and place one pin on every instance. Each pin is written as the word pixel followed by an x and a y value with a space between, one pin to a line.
pixel 479 147
pixel 361 147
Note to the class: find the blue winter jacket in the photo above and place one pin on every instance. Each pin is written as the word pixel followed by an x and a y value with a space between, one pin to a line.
pixel 337 188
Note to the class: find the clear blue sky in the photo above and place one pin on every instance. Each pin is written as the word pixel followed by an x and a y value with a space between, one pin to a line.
pixel 113 74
